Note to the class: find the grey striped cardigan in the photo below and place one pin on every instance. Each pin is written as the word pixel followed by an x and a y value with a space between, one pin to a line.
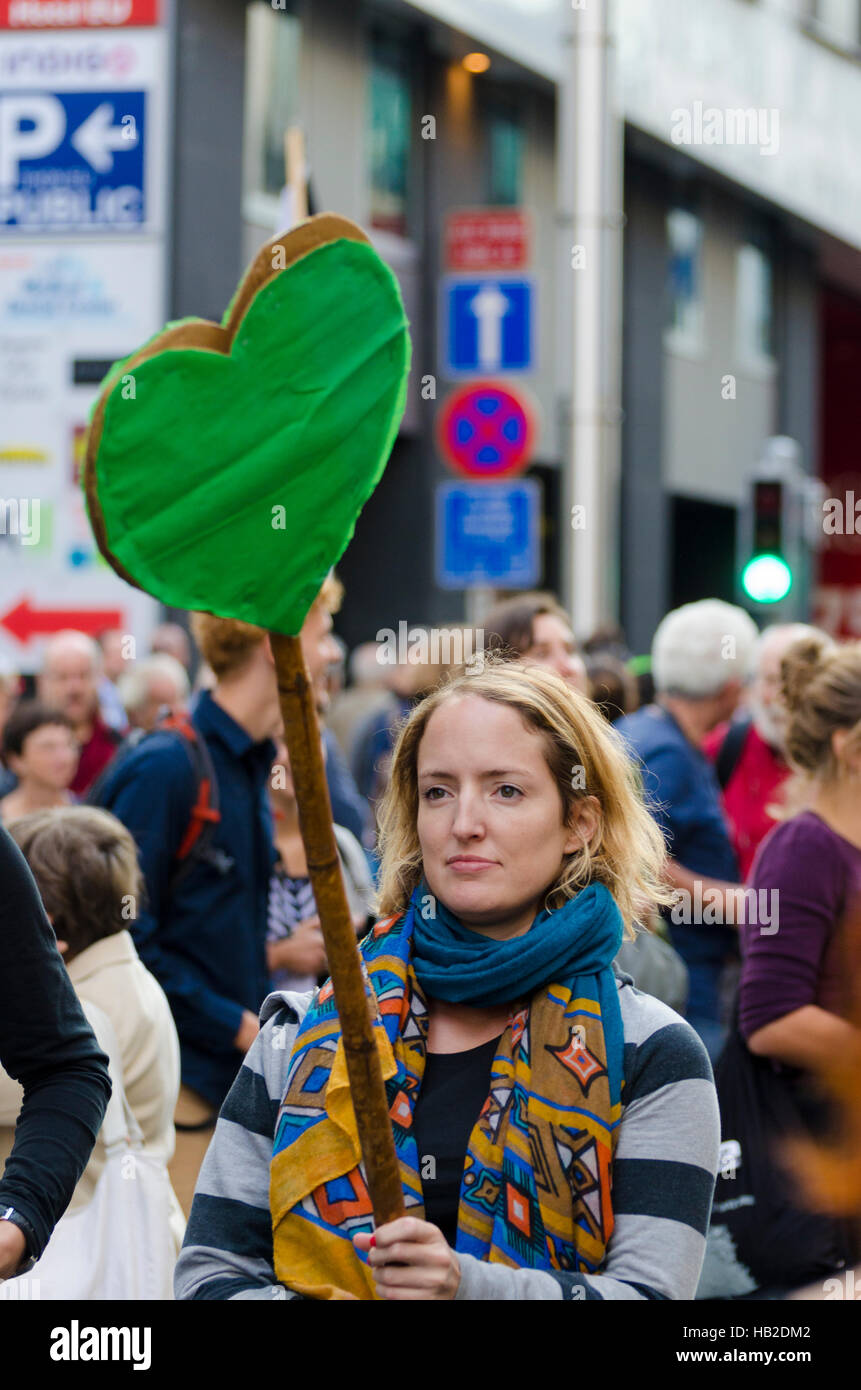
pixel 663 1173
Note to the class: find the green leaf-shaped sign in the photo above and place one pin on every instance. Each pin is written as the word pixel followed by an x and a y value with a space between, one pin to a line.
pixel 227 464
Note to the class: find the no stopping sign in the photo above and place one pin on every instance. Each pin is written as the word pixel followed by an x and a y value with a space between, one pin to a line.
pixel 486 430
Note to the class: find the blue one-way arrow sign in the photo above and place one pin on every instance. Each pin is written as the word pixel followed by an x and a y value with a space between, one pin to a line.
pixel 487 325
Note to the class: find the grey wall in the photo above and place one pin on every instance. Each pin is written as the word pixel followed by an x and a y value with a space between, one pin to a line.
pixel 207 231
pixel 799 349
pixel 645 548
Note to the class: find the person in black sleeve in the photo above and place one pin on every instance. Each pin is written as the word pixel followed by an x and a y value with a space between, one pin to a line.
pixel 48 1046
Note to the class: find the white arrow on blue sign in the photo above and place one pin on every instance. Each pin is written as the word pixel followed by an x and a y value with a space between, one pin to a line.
pixel 487 325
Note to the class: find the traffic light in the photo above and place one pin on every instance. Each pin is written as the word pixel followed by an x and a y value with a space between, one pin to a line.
pixel 779 531
pixel 767 576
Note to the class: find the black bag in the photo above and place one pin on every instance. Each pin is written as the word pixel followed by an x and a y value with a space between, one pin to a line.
pixel 778 1241
pixel 730 751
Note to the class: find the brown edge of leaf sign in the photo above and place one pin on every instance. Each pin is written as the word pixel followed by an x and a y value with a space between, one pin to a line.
pixel 206 336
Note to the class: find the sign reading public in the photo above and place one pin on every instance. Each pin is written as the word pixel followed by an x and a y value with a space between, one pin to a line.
pixel 487 325
pixel 83 133
pixel 486 431
pixel 77 14
pixel 72 159
pixel 487 239
pixel 488 535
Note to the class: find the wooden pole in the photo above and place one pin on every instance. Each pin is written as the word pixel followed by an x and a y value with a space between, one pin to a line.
pixel 295 171
pixel 367 1088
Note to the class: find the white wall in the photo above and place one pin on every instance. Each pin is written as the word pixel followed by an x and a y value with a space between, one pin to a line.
pixel 731 54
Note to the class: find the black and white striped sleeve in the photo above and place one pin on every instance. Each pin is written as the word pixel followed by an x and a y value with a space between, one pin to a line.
pixel 227 1251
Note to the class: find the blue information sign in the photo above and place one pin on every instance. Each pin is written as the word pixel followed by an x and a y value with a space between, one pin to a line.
pixel 488 534
pixel 487 325
pixel 72 160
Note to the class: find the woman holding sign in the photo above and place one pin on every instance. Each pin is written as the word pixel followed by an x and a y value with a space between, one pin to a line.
pixel 557 1131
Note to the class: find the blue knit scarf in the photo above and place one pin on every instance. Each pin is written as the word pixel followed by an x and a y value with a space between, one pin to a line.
pixel 463 967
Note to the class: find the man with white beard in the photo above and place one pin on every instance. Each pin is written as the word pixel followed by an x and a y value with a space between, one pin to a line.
pixel 747 753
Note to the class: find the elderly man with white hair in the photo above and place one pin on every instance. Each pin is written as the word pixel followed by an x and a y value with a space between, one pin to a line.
pixel 69 681
pixel 700 658
pixel 157 683
pixel 747 752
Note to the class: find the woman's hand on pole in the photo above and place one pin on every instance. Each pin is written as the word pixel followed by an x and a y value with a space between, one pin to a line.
pixel 411 1259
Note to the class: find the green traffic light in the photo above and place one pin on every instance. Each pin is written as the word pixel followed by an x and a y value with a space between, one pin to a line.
pixel 766 579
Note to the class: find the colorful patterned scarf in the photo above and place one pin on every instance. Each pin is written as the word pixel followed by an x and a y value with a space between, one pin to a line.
pixel 536 1189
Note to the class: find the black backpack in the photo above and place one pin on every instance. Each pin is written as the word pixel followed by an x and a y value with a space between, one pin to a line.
pixel 777 1239
pixel 730 750
pixel 196 844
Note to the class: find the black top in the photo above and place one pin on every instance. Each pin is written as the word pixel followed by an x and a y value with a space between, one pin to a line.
pixel 47 1044
pixel 454 1088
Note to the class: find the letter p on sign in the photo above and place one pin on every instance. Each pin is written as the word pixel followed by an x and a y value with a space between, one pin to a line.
pixel 31 126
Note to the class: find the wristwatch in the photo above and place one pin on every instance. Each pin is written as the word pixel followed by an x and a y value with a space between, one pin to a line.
pixel 28 1260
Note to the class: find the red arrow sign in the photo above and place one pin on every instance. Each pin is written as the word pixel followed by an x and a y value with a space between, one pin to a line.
pixel 25 622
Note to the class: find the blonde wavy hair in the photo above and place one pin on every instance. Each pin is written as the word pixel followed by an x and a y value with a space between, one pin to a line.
pixel 626 853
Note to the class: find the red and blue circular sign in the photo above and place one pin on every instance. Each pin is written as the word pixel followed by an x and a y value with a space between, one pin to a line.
pixel 486 431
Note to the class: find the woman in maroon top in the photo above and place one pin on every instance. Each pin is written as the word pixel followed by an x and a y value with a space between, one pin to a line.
pixel 793 980
pixel 794 1005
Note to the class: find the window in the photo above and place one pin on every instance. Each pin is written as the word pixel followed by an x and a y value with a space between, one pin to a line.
pixel 390 118
pixel 505 160
pixel 684 280
pixel 839 20
pixel 272 102
pixel 753 305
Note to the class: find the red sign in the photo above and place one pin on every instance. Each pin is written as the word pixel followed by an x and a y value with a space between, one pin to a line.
pixel 487 239
pixel 33 15
pixel 485 431
pixel 25 622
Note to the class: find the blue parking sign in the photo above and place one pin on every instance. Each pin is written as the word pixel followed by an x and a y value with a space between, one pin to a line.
pixel 72 160
pixel 487 325
pixel 488 534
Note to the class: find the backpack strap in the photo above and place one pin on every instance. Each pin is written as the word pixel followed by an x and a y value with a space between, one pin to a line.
pixel 205 812
pixel 730 750
pixel 95 794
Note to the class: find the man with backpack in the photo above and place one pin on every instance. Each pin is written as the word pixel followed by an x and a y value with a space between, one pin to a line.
pixel 193 793
pixel 700 657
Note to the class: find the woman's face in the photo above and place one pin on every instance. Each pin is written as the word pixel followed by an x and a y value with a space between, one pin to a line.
pixel 49 757
pixel 490 815
pixel 554 646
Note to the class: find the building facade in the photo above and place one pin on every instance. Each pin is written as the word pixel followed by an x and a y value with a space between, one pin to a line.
pixel 739 316
pixel 742 251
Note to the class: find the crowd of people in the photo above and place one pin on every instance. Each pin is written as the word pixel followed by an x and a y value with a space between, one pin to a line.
pixel 641 876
